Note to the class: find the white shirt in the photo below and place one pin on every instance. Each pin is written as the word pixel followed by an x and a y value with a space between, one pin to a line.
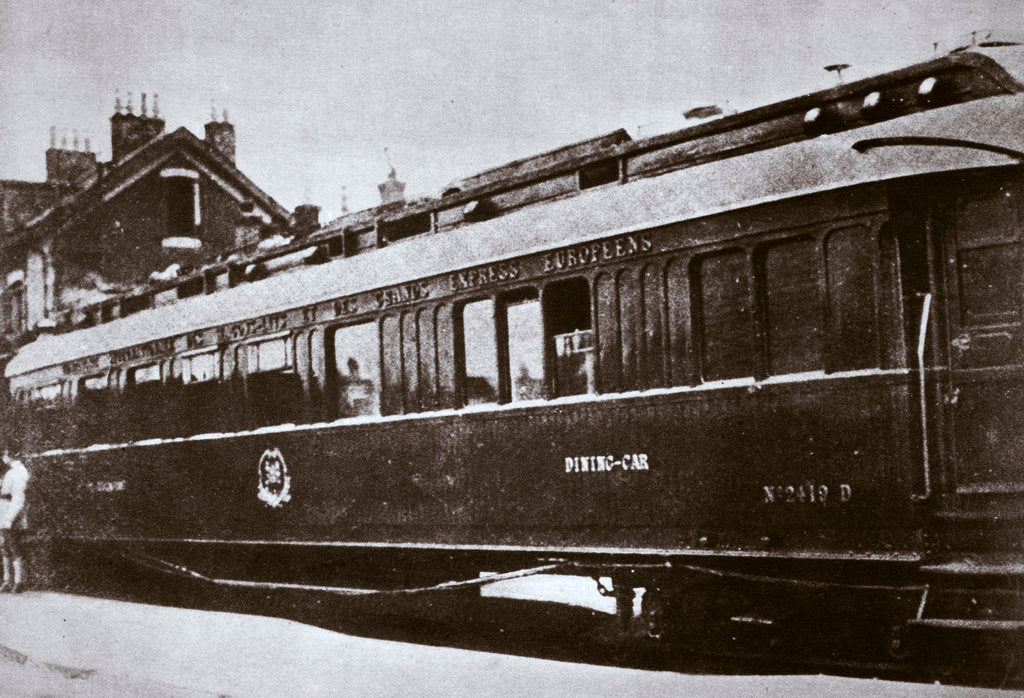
pixel 12 496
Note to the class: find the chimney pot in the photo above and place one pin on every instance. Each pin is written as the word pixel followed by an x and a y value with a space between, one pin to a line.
pixel 127 132
pixel 69 167
pixel 143 111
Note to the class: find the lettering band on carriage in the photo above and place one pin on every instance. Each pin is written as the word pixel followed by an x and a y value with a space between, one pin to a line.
pixel 606 463
pixel 274 483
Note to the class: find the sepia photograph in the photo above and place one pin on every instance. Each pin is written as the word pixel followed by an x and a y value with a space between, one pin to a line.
pixel 455 348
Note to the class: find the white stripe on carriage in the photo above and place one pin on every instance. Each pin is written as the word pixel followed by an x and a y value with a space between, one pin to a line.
pixel 732 383
pixel 889 556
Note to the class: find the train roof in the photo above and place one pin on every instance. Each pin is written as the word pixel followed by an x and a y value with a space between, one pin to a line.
pixel 824 163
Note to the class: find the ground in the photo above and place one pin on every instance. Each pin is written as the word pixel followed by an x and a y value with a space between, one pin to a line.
pixel 63 645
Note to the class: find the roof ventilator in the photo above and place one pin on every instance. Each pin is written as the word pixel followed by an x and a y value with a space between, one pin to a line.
pixel 478 209
pixel 878 106
pixel 821 120
pixel 934 92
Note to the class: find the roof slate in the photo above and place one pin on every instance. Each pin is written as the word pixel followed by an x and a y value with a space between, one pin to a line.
pixel 21 201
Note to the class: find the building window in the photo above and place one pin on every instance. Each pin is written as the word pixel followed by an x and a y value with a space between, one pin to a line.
pixel 14 316
pixel 180 207
pixel 181 190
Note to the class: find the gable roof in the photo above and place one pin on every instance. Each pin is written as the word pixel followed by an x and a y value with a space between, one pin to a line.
pixel 114 177
pixel 21 201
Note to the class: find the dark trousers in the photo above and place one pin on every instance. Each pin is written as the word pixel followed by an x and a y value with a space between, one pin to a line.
pixel 10 543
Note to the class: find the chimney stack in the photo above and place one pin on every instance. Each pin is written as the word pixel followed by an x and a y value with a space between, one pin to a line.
pixel 392 192
pixel 129 131
pixel 220 135
pixel 66 166
pixel 306 219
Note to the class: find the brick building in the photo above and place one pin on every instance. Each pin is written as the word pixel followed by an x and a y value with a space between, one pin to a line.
pixel 164 204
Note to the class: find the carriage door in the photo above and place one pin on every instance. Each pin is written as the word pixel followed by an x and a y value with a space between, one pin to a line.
pixel 985 289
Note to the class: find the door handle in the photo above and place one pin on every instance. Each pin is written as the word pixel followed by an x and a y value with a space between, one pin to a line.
pixel 922 335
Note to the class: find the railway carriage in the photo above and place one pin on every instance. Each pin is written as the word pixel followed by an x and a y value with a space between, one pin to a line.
pixel 768 368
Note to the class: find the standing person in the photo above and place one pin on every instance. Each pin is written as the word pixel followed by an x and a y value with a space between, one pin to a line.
pixel 12 522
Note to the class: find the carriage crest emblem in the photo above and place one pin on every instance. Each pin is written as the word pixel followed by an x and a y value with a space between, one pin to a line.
pixel 274 482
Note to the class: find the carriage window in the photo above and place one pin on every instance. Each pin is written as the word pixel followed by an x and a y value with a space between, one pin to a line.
pixel 94 423
pixel 525 349
pixel 567 310
pixel 850 256
pixel 357 368
pixel 199 368
pixel 201 401
pixel 479 364
pixel 727 331
pixel 145 374
pixel 91 384
pixel 143 389
pixel 275 393
pixel 271 355
pixel 792 305
pixel 45 393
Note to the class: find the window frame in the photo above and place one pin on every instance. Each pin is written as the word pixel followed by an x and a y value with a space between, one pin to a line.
pixel 178 367
pixel 460 350
pixel 552 381
pixel 131 372
pixel 241 351
pixel 521 295
pixel 333 376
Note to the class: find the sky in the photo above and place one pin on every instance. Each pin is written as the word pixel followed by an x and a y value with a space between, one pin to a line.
pixel 318 90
